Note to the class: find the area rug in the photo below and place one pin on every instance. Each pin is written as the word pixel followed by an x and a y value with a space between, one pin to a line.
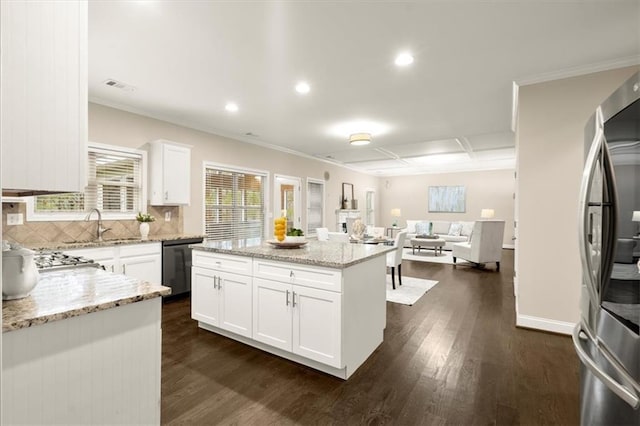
pixel 429 256
pixel 410 291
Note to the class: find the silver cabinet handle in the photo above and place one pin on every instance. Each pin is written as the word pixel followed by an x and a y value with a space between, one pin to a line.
pixel 291 274
pixel 215 282
pixel 287 299
pixel 124 269
pixel 166 195
pixel 628 395
pixel 112 268
pixel 219 283
pixel 293 299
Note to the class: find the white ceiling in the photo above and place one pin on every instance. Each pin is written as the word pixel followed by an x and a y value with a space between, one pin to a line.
pixel 450 110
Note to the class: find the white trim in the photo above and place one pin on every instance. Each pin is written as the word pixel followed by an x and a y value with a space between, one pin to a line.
pixel 31 216
pixel 546 324
pixel 580 70
pixel 509 246
pixel 237 169
pixel 515 99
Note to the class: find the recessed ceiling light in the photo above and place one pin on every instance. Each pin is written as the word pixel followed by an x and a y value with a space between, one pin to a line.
pixel 404 59
pixel 231 107
pixel 302 87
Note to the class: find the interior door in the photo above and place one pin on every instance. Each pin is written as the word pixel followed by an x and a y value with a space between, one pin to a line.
pixel 287 200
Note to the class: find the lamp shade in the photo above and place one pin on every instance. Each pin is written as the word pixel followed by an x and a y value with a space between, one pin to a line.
pixel 360 139
pixel 396 213
pixel 487 213
pixel 636 216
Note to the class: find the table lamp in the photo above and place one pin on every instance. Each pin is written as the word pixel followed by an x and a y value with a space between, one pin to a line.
pixel 395 213
pixel 487 213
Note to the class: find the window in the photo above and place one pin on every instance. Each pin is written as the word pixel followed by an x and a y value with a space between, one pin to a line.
pixel 315 205
pixel 115 177
pixel 370 218
pixel 233 203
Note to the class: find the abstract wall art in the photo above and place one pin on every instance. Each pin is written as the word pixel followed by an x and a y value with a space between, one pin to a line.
pixel 446 199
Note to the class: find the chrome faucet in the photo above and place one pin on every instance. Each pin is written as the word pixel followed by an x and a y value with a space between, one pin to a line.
pixel 100 229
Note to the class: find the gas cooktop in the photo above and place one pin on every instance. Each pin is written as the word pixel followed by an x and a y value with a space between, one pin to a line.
pixel 46 260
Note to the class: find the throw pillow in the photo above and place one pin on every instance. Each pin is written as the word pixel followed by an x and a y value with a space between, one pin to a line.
pixel 411 226
pixel 423 228
pixel 455 229
pixel 467 228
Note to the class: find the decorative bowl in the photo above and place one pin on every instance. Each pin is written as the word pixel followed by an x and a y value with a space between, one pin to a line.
pixel 290 239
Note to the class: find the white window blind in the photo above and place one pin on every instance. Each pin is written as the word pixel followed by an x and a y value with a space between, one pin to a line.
pixel 370 208
pixel 114 186
pixel 234 204
pixel 315 203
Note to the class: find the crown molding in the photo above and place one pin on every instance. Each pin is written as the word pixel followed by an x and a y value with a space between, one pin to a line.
pixel 578 71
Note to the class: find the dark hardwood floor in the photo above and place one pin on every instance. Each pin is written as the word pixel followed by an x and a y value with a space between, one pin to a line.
pixel 455 357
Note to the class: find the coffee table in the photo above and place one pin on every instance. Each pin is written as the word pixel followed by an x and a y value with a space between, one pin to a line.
pixel 432 243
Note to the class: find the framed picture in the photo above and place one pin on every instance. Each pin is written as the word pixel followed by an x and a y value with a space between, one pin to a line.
pixel 447 199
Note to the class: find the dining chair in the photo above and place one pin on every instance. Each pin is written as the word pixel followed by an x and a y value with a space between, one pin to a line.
pixel 322 233
pixel 340 237
pixel 394 258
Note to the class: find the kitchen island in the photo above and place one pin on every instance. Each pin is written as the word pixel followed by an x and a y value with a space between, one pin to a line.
pixel 322 305
pixel 83 348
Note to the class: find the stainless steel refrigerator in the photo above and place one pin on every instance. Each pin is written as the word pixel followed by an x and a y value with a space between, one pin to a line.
pixel 607 337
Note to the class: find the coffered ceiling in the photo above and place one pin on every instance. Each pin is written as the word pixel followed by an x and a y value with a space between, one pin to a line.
pixel 450 110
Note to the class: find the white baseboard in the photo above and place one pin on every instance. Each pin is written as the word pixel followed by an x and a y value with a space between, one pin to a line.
pixel 545 324
pixel 509 246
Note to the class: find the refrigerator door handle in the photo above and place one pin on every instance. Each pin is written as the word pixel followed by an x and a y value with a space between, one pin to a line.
pixel 586 228
pixel 628 395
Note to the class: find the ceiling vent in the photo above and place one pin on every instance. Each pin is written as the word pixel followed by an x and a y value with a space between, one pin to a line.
pixel 119 85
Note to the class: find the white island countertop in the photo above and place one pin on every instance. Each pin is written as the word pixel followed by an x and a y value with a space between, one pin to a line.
pixel 318 253
pixel 73 292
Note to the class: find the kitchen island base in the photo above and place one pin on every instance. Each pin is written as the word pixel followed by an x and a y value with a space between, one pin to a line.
pixel 330 319
pixel 100 368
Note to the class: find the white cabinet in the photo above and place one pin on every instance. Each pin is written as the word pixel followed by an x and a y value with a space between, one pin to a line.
pixel 141 261
pixel 44 96
pixel 220 296
pixel 169 173
pixel 295 313
pixel 298 319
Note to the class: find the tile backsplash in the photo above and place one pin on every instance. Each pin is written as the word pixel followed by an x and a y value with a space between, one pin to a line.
pixel 80 230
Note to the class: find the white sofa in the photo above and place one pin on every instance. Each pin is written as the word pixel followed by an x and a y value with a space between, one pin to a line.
pixel 459 233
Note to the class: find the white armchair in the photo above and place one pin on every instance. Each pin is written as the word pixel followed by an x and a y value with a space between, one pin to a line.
pixel 394 259
pixel 340 237
pixel 485 244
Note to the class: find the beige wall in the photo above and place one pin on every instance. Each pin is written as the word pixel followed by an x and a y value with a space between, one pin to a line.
pixel 116 127
pixel 484 190
pixel 550 147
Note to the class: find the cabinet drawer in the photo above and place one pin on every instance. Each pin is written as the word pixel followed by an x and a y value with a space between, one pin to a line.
pixel 140 249
pixel 222 262
pixel 96 254
pixel 315 277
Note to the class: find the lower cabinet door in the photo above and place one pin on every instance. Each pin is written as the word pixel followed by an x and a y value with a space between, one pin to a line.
pixel 272 313
pixel 317 320
pixel 204 296
pixel 146 268
pixel 235 303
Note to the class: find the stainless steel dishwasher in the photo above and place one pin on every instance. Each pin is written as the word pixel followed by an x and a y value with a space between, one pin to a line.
pixel 176 265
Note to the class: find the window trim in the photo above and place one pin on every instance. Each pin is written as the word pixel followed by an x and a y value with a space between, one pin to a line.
pixel 32 216
pixel 312 232
pixel 236 169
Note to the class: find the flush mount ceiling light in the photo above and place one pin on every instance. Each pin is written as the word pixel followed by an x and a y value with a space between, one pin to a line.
pixel 404 59
pixel 302 87
pixel 358 139
pixel 231 107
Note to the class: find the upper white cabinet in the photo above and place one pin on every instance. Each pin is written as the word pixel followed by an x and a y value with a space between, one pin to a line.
pixel 170 171
pixel 44 96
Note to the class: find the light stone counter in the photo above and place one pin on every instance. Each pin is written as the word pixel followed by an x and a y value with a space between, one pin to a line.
pixel 318 253
pixel 108 242
pixel 74 292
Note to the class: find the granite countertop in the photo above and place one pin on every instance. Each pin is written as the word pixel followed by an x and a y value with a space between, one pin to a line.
pixel 109 242
pixel 318 253
pixel 73 292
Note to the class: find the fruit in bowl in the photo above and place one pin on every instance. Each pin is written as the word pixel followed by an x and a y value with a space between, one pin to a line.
pixel 295 236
